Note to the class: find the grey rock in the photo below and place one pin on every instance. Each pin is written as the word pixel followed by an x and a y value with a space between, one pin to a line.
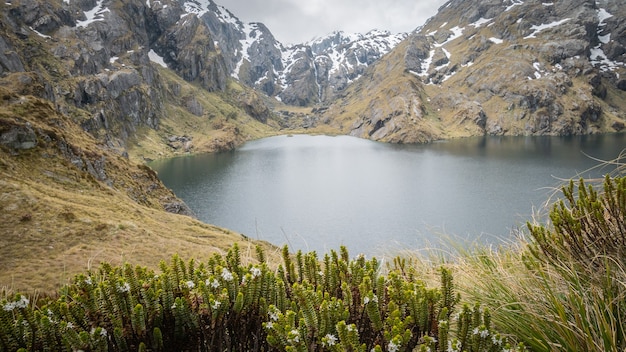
pixel 177 207
pixel 10 61
pixel 21 137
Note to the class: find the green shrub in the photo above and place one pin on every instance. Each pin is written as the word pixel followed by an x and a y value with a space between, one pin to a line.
pixel 562 289
pixel 589 226
pixel 338 304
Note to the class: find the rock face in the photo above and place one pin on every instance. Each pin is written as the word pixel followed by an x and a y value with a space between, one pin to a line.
pixel 499 67
pixel 99 59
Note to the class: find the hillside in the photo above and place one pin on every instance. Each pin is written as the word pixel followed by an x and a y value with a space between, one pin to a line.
pixel 496 68
pixel 86 101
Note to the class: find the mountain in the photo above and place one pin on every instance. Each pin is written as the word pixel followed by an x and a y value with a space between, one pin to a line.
pixel 496 67
pixel 303 74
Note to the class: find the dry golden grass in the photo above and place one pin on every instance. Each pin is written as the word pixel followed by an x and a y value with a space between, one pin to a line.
pixel 57 220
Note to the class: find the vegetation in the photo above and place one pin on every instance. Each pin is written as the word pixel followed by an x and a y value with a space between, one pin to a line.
pixel 561 290
pixel 341 304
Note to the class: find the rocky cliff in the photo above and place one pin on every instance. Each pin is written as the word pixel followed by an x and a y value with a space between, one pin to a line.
pixel 497 67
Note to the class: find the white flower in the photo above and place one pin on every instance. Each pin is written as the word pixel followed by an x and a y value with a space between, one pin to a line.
pixel 475 331
pixel 216 305
pixel 21 303
pixel 173 306
pixel 213 283
pixel 484 333
pixel 70 325
pixel 496 340
pixel 451 348
pixel 88 280
pixel 227 275
pixel 295 336
pixel 190 284
pixel 124 287
pixel 269 325
pixel 256 272
pixel 273 316
pixel 392 347
pixel 366 300
pixel 103 332
pixel 351 327
pixel 329 340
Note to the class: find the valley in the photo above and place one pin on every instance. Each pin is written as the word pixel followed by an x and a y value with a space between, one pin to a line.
pixel 92 90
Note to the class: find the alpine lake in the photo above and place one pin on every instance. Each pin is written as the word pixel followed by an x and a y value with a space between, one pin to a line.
pixel 316 193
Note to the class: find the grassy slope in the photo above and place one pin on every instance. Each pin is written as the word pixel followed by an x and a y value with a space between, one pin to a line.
pixel 396 94
pixel 223 125
pixel 57 220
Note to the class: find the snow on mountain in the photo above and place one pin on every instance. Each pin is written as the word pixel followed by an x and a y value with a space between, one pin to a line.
pixel 346 50
pixel 302 74
pixel 93 15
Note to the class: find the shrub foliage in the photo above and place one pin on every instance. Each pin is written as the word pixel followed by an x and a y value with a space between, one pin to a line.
pixel 589 226
pixel 306 304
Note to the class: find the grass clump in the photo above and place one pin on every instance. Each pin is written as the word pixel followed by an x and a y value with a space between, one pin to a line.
pixel 563 288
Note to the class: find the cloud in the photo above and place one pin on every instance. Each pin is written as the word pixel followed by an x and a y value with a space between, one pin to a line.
pixel 297 21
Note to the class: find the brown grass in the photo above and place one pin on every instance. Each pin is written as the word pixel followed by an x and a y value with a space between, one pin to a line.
pixel 57 220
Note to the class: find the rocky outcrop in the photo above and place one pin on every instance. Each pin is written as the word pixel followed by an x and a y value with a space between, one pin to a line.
pixel 188 48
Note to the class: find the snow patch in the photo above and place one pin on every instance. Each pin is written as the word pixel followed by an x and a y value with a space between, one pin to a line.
pixel 225 16
pixel 115 58
pixel 513 4
pixel 426 64
pixel 603 14
pixel 154 57
pixel 597 57
pixel 480 22
pixel 39 33
pixel 547 3
pixel 604 39
pixel 542 27
pixel 250 30
pixel 197 7
pixel 496 40
pixel 93 15
pixel 456 33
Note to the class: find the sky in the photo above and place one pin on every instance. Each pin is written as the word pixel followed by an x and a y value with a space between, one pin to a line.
pixel 298 21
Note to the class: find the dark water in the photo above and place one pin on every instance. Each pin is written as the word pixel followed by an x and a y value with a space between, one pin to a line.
pixel 320 192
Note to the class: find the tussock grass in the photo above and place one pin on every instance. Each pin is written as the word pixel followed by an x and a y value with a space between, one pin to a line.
pixel 542 289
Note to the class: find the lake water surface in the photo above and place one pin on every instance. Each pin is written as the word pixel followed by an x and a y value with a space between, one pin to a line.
pixel 320 192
